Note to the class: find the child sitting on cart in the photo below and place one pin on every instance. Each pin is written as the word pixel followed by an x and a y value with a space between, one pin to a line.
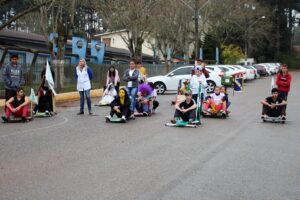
pixel 44 101
pixel 224 91
pixel 153 95
pixel 17 106
pixel 215 103
pixel 120 106
pixel 185 110
pixel 144 99
pixel 274 106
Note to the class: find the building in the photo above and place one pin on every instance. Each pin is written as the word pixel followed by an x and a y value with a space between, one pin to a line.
pixel 115 40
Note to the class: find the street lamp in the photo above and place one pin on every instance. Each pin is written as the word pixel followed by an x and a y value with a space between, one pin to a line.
pixel 196 17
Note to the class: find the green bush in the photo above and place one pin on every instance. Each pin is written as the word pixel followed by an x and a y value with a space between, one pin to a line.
pixel 231 54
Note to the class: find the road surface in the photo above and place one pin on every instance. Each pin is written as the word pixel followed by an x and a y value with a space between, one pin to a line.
pixel 82 157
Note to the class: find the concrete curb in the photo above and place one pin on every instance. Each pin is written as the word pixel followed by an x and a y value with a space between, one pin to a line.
pixel 70 96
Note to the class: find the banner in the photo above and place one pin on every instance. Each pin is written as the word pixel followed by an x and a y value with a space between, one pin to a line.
pixel 49 79
pixel 238 85
pixel 32 97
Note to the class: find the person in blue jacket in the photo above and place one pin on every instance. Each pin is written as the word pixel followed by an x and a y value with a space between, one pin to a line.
pixel 84 75
pixel 13 77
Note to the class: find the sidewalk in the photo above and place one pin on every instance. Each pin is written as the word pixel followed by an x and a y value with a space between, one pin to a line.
pixel 67 97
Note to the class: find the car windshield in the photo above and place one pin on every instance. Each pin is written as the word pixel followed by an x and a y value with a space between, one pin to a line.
pixel 182 71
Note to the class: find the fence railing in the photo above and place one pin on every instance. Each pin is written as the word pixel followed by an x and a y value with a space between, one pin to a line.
pixel 32 76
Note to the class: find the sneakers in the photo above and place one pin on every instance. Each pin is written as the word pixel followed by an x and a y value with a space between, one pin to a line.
pixel 47 112
pixel 222 112
pixel 108 118
pixel 145 114
pixel 90 113
pixel 5 119
pixel 173 121
pixel 191 121
pixel 263 116
pixel 123 119
pixel 80 113
pixel 283 117
pixel 209 110
pixel 24 119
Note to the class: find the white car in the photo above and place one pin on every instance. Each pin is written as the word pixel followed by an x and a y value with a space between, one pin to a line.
pixel 169 82
pixel 251 73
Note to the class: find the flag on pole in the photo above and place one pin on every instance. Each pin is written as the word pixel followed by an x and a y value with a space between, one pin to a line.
pixel 272 83
pixel 49 79
pixel 32 97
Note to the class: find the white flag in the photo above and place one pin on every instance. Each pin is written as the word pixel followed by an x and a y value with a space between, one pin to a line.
pixel 32 97
pixel 49 78
pixel 272 83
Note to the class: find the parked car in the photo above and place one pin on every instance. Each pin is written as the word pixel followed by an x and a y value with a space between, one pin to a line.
pixel 267 67
pixel 250 73
pixel 169 82
pixel 261 70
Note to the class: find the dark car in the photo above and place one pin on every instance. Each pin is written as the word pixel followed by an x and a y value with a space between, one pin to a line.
pixel 261 70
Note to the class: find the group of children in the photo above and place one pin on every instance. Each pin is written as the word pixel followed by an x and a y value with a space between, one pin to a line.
pixel 145 103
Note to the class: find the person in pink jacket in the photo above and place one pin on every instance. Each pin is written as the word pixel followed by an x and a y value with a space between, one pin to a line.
pixel 113 77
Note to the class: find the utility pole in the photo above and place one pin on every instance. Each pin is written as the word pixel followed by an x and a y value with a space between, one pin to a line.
pixel 196 18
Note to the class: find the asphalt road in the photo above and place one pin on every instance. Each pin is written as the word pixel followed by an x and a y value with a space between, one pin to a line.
pixel 82 157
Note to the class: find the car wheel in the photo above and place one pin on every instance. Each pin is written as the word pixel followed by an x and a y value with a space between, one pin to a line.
pixel 210 86
pixel 160 87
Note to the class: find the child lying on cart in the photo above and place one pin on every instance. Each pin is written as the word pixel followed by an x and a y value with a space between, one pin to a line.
pixel 109 95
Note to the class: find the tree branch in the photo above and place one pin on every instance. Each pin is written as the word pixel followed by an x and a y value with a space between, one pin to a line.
pixel 28 10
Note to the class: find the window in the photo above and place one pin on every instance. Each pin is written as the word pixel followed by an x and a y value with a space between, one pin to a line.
pixel 182 71
pixel 224 69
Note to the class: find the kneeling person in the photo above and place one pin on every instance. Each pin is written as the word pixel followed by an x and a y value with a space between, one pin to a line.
pixel 185 110
pixel 274 106
pixel 17 106
pixel 120 106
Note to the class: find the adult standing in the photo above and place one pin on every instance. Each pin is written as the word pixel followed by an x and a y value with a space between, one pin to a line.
pixel 13 77
pixel 113 77
pixel 283 82
pixel 84 76
pixel 131 76
pixel 198 80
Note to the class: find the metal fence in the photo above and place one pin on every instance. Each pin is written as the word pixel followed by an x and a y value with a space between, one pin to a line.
pixel 32 76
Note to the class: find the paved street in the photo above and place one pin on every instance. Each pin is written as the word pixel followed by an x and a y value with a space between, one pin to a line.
pixel 82 157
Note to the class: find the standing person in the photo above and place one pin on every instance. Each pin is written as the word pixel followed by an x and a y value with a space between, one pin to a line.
pixel 17 106
pixel 113 77
pixel 198 80
pixel 283 82
pixel 84 75
pixel 13 77
pixel 131 76
pixel 143 72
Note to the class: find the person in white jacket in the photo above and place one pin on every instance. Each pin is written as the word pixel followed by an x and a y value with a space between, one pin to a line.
pixel 84 75
pixel 198 80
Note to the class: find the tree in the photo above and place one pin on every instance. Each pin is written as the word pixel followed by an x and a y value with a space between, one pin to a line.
pixel 135 17
pixel 171 30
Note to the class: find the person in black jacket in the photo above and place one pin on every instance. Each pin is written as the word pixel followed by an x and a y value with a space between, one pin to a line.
pixel 120 106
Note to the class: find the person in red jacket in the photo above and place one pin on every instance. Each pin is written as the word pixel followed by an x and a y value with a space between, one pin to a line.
pixel 283 82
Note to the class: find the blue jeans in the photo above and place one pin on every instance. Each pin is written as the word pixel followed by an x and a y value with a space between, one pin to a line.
pixel 88 100
pixel 132 92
